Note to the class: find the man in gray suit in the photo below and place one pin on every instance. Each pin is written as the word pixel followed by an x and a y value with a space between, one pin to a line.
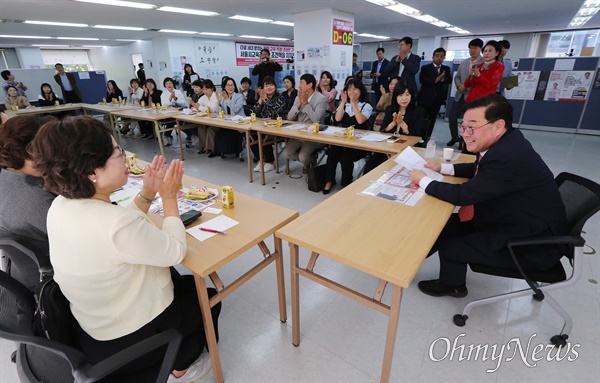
pixel 462 75
pixel 309 106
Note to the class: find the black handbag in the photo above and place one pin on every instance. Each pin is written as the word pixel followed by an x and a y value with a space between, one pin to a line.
pixel 316 178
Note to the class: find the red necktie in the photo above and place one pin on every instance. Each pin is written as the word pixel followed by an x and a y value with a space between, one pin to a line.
pixel 466 213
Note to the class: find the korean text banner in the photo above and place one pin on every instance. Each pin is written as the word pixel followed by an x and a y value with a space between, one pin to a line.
pixel 248 53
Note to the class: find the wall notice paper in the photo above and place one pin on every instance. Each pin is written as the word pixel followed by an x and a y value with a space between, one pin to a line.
pixel 395 186
pixel 411 160
pixel 568 86
pixel 220 223
pixel 528 81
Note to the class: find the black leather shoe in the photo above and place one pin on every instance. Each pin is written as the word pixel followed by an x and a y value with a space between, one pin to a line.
pixel 327 191
pixel 212 155
pixel 451 142
pixel 201 151
pixel 437 288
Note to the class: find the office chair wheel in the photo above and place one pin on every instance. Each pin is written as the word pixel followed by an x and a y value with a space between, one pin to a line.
pixel 460 320
pixel 559 340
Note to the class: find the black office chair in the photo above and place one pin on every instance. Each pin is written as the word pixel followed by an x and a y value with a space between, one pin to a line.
pixel 41 360
pixel 14 251
pixel 582 200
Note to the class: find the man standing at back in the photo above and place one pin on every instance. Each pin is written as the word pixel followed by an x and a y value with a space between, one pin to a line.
pixel 405 64
pixel 511 194
pixel 309 106
pixel 434 79
pixel 505 44
pixel 141 74
pixel 67 84
pixel 379 67
pixel 462 75
pixel 266 67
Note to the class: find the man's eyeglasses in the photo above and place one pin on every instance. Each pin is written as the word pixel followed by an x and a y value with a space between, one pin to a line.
pixel 121 154
pixel 467 129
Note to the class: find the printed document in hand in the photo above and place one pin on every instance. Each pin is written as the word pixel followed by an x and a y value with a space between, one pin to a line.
pixel 411 160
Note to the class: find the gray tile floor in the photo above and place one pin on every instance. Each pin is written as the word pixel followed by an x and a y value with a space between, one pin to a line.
pixel 342 341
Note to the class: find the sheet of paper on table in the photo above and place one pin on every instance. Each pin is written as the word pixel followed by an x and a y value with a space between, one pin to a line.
pixel 221 223
pixel 372 137
pixel 396 186
pixel 411 160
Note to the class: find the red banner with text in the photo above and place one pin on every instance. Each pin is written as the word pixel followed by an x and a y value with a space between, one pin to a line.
pixel 343 32
pixel 248 53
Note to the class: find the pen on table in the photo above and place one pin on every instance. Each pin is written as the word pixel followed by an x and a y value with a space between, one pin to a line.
pixel 212 230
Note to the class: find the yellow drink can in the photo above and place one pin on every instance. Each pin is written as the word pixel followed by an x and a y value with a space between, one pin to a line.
pixel 252 117
pixel 279 122
pixel 316 128
pixel 350 132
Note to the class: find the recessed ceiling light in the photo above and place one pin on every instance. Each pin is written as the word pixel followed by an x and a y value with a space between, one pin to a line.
pixel 286 23
pixel 252 37
pixel 48 45
pixel 177 31
pixel 248 18
pixel 215 34
pixel 120 3
pixel 188 11
pixel 93 46
pixel 24 37
pixel 126 40
pixel 55 23
pixel 277 38
pixel 119 28
pixel 77 38
pixel 587 10
pixel 383 3
pixel 373 36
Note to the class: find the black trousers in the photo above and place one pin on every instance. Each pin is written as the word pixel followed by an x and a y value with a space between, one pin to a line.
pixel 455 113
pixel 431 113
pixel 268 154
pixel 183 314
pixel 71 97
pixel 459 244
pixel 346 158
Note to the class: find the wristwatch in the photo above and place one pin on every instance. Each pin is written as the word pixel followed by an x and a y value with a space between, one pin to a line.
pixel 143 199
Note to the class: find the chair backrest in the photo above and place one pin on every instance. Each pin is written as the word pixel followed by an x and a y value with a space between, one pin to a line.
pixel 43 360
pixel 25 264
pixel 581 197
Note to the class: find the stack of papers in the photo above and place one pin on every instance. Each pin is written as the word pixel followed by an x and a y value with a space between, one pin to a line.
pixel 220 223
pixel 411 161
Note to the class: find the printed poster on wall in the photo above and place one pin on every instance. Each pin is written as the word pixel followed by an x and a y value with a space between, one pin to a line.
pixel 528 81
pixel 247 54
pixel 343 32
pixel 568 86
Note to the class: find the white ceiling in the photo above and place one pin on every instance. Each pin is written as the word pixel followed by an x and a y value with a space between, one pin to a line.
pixel 480 17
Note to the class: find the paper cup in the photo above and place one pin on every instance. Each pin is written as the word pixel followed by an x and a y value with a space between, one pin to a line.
pixel 448 153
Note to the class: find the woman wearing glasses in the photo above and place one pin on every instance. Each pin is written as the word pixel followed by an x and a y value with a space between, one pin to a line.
pixel 111 262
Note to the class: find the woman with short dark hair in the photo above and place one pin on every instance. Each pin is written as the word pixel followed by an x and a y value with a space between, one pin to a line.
pixel 47 96
pixel 23 203
pixel 111 262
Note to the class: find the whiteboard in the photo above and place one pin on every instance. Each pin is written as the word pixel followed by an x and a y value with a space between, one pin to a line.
pixel 33 80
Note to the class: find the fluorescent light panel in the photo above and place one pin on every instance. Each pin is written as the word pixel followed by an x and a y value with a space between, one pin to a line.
pixel 373 36
pixel 48 45
pixel 77 38
pixel 119 3
pixel 24 37
pixel 248 18
pixel 276 38
pixel 129 40
pixel 587 10
pixel 215 34
pixel 416 14
pixel 188 11
pixel 55 23
pixel 286 23
pixel 119 28
pixel 252 37
pixel 177 31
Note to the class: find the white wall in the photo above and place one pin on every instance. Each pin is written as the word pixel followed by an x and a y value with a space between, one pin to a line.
pixel 116 61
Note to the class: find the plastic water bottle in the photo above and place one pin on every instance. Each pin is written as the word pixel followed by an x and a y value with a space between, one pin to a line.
pixel 430 151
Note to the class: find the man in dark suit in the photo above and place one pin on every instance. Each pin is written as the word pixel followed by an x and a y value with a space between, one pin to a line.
pixel 265 67
pixel 511 194
pixel 379 67
pixel 434 79
pixel 405 64
pixel 141 74
pixel 68 86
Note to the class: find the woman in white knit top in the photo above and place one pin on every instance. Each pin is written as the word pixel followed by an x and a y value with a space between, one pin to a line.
pixel 112 263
